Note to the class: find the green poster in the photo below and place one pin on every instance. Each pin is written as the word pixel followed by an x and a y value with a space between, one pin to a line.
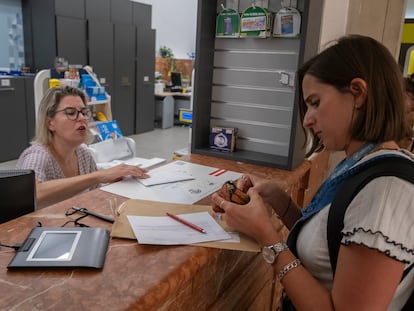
pixel 254 22
pixel 228 24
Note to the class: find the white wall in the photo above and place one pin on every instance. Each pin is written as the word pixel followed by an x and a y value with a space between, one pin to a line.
pixel 409 11
pixel 333 21
pixel 175 22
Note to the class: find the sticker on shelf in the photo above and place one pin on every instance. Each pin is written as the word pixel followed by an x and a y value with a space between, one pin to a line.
pixel 228 24
pixel 5 82
pixel 255 21
pixel 287 23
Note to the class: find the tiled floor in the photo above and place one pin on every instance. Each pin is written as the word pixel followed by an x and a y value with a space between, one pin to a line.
pixel 159 143
pixel 162 142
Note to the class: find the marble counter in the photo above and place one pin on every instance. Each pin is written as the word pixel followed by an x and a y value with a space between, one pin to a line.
pixel 143 277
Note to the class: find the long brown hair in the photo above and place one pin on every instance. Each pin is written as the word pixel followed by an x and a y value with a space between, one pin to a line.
pixel 355 56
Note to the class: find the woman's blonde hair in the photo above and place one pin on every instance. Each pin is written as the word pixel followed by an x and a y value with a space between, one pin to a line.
pixel 48 107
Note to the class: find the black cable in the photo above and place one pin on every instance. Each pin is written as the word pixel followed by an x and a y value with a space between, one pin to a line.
pixel 15 247
pixel 18 245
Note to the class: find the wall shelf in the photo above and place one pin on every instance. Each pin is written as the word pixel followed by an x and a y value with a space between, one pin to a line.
pixel 250 84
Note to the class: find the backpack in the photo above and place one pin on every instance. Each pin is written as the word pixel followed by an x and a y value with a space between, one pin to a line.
pixel 385 166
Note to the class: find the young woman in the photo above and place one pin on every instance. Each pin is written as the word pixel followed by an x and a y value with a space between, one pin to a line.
pixel 351 100
pixel 63 165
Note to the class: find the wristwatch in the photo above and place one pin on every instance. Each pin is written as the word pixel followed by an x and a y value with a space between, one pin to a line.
pixel 271 252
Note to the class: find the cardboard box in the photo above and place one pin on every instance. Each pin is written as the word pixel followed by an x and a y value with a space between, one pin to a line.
pixel 109 130
pixel 223 138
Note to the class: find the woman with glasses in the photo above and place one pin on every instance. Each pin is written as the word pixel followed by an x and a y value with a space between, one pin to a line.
pixel 63 165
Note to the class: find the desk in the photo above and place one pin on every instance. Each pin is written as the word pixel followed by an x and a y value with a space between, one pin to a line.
pixel 144 277
pixel 167 105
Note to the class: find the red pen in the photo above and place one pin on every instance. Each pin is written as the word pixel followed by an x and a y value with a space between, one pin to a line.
pixel 187 223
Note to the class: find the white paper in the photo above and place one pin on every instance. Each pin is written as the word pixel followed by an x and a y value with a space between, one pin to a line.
pixel 163 230
pixel 140 162
pixel 144 163
pixel 235 238
pixel 163 177
pixel 207 180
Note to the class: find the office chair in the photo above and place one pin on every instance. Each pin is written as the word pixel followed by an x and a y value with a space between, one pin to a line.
pixel 41 85
pixel 106 151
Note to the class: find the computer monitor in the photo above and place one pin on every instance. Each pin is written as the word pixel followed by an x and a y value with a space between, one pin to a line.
pixel 176 79
pixel 17 193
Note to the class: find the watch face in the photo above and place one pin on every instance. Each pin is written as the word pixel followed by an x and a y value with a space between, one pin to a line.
pixel 268 255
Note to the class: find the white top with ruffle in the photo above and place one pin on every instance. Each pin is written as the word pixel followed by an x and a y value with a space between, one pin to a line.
pixel 381 217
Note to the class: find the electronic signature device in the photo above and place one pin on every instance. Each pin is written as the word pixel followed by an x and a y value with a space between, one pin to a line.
pixel 58 247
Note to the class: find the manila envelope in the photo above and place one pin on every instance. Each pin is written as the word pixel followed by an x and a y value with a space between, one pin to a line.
pixel 122 229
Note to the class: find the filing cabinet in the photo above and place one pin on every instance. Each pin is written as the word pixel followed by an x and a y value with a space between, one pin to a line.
pixel 17 112
pixel 114 37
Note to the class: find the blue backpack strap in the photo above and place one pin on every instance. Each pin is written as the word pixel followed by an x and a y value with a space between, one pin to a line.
pixel 386 166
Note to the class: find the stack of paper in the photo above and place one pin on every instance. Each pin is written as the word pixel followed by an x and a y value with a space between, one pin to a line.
pixel 141 162
pixel 164 177
pixel 200 181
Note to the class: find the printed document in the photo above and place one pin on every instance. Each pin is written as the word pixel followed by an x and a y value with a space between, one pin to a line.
pixel 158 177
pixel 140 162
pixel 205 181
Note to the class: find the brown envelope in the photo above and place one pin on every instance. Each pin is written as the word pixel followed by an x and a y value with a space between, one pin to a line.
pixel 122 229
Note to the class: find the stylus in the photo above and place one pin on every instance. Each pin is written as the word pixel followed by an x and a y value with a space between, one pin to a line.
pixel 88 212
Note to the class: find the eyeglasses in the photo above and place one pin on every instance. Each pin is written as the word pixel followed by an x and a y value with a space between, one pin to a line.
pixel 73 113
pixel 84 213
pixel 75 221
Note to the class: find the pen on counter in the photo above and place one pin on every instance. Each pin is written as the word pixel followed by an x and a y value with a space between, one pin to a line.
pixel 187 223
pixel 88 212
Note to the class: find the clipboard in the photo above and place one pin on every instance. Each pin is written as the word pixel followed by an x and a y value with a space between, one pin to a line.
pixel 122 229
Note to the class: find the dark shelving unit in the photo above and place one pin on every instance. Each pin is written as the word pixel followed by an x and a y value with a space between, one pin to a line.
pixel 238 84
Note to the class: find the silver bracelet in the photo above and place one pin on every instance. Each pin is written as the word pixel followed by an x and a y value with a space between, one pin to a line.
pixel 290 266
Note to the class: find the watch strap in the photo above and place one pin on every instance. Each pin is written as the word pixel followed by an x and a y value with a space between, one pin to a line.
pixel 278 247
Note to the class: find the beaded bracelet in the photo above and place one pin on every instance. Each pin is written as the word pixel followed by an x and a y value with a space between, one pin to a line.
pixel 290 266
